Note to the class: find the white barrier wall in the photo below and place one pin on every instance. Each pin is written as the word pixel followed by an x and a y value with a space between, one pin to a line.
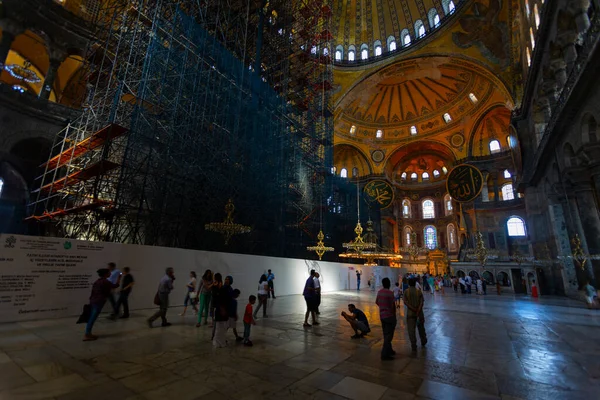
pixel 51 277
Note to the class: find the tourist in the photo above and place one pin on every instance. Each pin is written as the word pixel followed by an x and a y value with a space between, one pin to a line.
pixel 248 320
pixel 404 285
pixel 431 283
pixel 115 274
pixel 164 289
pixel 101 291
pixel 387 314
pixel 463 285
pixel 498 288
pixel 204 292
pixel 425 283
pixel 190 294
pixel 270 279
pixel 214 294
pixel 357 320
pixel 358 274
pixel 310 299
pixel 222 304
pixel 127 283
pixel 373 283
pixel 414 301
pixel 468 283
pixel 263 295
pixel 233 314
pixel 418 278
pixel 484 286
pixel 397 295
pixel 455 283
pixel 318 292
pixel 590 294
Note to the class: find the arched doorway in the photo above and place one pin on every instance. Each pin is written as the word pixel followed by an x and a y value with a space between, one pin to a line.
pixel 474 275
pixel 488 277
pixel 460 273
pixel 502 278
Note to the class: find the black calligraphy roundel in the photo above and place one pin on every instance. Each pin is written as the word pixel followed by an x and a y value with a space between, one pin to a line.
pixel 380 192
pixel 464 183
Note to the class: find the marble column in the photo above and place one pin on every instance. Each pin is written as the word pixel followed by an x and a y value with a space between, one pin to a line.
pixel 50 78
pixel 485 196
pixel 590 222
pixel 496 191
pixel 563 245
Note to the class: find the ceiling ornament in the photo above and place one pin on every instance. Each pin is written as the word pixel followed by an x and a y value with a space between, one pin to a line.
pixel 377 156
pixel 23 73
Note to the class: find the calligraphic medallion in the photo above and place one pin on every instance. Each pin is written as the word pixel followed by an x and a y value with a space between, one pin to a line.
pixel 380 192
pixel 464 183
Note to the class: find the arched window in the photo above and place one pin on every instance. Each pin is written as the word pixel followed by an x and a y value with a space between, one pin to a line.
pixel 414 176
pixel 333 170
pixel 536 16
pixel 589 127
pixel 447 204
pixel 447 118
pixel 507 192
pixel 364 52
pixel 507 174
pixel 405 37
pixel 532 38
pixel 344 173
pixel 451 232
pixel 434 18
pixel 354 172
pixel 413 130
pixel 353 130
pixel 528 56
pixel 473 98
pixel 407 235
pixel 350 55
pixel 338 55
pixel 428 209
pixel 444 170
pixel 325 51
pixel 313 50
pixel 527 9
pixel 419 29
pixel 430 237
pixel 391 43
pixel 516 226
pixel 406 208
pixel 1 185
pixel 378 48
pixel 436 173
pixel 403 176
pixel 495 146
pixel 425 176
pixel 379 134
pixel 448 6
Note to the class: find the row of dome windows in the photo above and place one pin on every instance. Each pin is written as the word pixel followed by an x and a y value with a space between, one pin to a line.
pixel 405 37
pixel 425 175
pixel 413 129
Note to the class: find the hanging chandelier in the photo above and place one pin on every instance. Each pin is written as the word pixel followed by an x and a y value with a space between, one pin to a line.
pixel 366 248
pixel 228 228
pixel 23 72
pixel 414 250
pixel 320 248
pixel 480 252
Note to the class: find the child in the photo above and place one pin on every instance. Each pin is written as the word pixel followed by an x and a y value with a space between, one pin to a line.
pixel 248 320
pixel 233 315
pixel 397 295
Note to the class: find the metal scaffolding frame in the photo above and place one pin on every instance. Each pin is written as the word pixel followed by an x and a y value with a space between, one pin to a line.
pixel 188 104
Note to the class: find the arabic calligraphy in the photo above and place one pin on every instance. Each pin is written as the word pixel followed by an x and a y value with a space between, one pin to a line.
pixel 464 183
pixel 380 192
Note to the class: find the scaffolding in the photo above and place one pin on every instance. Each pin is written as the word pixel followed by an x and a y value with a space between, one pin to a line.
pixel 188 104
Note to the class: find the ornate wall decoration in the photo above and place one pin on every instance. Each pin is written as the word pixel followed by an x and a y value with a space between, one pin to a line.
pixel 380 192
pixel 377 156
pixel 464 183
pixel 482 29
pixel 457 140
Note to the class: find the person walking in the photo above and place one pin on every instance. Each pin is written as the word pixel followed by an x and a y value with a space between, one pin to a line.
pixel 114 277
pixel 431 283
pixel 215 293
pixel 270 279
pixel 101 291
pixel 127 283
pixel 414 301
pixel 190 294
pixel 387 314
pixel 358 274
pixel 248 320
pixel 165 287
pixel 263 295
pixel 318 292
pixel 310 299
pixel 222 307
pixel 468 282
pixel 204 293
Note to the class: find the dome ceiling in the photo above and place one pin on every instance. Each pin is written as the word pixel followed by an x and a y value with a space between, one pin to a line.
pixel 365 21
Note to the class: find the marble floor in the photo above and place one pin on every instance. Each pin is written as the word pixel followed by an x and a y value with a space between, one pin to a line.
pixel 480 347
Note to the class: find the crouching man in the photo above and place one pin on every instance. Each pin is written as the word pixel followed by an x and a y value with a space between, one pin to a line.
pixel 357 320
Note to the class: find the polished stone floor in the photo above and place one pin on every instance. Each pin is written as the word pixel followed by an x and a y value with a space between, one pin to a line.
pixel 480 347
